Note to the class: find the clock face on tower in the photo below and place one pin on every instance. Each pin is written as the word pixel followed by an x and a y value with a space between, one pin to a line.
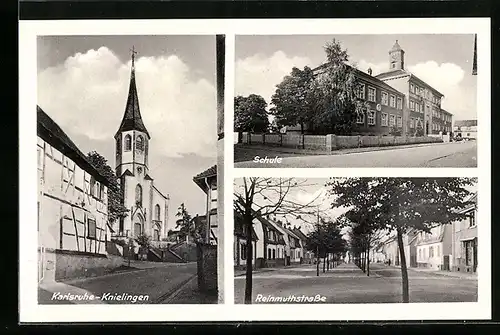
pixel 394 56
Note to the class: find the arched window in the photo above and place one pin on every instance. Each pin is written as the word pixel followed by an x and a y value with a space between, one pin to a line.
pixel 157 212
pixel 139 143
pixel 138 195
pixel 128 142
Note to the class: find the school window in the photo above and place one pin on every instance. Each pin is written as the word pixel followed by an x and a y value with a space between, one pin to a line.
pixel 92 186
pixel 91 229
pixel 412 105
pixel 361 91
pixel 412 88
pixel 371 117
pixel 400 103
pixel 412 123
pixel 431 252
pixel 400 121
pixel 384 119
pixel 419 253
pixel 385 98
pixel 269 253
pixel 392 101
pixel 371 94
pixel 360 118
pixel 392 121
pixel 274 253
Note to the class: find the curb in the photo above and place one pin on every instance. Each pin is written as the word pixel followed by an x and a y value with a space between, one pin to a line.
pixel 172 293
pixel 80 280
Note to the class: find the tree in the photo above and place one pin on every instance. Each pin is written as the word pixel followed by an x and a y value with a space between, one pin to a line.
pixel 258 197
pixel 403 203
pixel 116 210
pixel 335 93
pixel 292 100
pixel 250 114
pixel 144 241
pixel 185 222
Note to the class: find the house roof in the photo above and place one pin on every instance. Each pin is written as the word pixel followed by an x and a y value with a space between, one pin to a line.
pixel 271 225
pixel 51 133
pixel 465 123
pixel 132 119
pixel 472 198
pixel 373 79
pixel 199 179
pixel 300 234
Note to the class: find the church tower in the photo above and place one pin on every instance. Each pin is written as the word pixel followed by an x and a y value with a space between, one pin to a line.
pixel 396 57
pixel 132 144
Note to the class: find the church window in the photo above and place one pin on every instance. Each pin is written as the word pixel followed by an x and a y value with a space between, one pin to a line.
pixel 139 143
pixel 157 212
pixel 138 195
pixel 128 142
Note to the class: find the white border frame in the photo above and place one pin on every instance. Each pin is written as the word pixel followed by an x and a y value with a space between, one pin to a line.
pixel 30 311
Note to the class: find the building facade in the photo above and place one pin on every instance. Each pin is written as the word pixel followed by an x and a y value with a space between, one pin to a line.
pixel 240 242
pixel 464 248
pixel 383 111
pixel 207 181
pixel 72 207
pixel 422 100
pixel 148 206
pixel 434 248
pixel 465 129
pixel 441 121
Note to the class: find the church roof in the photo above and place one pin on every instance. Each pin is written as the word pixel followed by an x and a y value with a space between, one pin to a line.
pixel 132 119
pixel 51 133
pixel 396 47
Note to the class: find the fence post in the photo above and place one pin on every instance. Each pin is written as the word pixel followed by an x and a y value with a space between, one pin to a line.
pixel 281 139
pixel 264 139
pixel 249 137
pixel 303 141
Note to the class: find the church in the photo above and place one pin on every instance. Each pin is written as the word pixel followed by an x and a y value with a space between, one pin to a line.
pixel 147 205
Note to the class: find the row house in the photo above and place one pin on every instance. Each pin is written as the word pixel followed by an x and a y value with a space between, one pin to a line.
pixel 434 248
pixel 383 110
pixel 420 97
pixel 241 242
pixel 308 256
pixel 464 240
pixel 72 203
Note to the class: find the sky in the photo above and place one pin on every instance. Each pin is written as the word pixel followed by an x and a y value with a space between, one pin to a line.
pixel 443 61
pixel 83 86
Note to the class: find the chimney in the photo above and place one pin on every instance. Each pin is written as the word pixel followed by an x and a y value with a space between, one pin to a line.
pixel 370 71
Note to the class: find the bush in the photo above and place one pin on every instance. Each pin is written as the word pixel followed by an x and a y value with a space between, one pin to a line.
pixel 395 131
pixel 144 240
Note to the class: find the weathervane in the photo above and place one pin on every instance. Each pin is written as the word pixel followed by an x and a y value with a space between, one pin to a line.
pixel 133 55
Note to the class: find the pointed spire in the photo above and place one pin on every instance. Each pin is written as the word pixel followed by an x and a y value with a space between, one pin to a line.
pixel 396 47
pixel 132 119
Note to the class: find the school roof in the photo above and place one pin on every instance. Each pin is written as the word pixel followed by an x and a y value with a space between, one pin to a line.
pixel 50 132
pixel 392 74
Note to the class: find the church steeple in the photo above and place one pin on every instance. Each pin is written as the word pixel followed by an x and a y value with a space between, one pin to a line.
pixel 132 119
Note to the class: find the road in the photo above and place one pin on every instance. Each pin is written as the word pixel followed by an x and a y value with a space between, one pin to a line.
pixel 157 282
pixel 348 284
pixel 454 154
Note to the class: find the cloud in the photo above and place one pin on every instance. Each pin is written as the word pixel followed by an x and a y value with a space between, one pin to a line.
pixel 86 95
pixel 377 68
pixel 259 74
pixel 448 78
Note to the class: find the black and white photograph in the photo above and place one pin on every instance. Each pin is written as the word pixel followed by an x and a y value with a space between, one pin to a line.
pixel 381 100
pixel 127 174
pixel 355 240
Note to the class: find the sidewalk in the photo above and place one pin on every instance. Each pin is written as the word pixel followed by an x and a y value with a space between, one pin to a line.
pixel 239 273
pixel 454 274
pixel 297 151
